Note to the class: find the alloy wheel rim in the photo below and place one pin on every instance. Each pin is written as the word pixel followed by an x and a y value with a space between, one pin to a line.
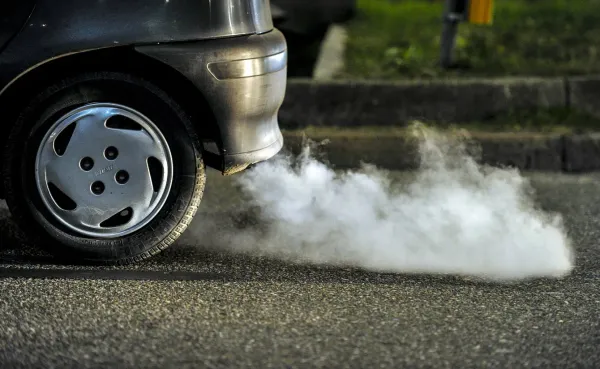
pixel 104 170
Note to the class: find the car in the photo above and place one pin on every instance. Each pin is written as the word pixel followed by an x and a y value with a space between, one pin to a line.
pixel 112 110
pixel 305 25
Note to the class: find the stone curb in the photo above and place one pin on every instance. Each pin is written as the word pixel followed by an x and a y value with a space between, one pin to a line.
pixel 374 103
pixel 570 153
pixel 331 55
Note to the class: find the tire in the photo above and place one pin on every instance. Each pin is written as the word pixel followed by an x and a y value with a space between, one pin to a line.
pixel 179 185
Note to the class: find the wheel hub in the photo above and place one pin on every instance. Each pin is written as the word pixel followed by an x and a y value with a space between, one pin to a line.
pixel 104 170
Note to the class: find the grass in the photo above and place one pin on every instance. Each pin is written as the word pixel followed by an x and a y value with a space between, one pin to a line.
pixel 548 121
pixel 400 39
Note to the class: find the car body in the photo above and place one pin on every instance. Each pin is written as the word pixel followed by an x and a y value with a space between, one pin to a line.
pixel 221 62
pixel 210 43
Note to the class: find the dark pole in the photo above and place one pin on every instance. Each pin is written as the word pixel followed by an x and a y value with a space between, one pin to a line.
pixel 453 14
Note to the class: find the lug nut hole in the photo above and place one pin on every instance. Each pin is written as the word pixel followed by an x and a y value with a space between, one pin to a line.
pixel 86 163
pixel 111 153
pixel 122 177
pixel 97 188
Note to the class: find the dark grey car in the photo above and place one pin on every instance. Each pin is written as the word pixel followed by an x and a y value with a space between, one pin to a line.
pixel 112 109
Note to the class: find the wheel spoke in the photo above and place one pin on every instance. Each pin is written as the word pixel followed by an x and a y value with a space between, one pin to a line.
pixel 91 216
pixel 64 181
pixel 140 144
pixel 89 130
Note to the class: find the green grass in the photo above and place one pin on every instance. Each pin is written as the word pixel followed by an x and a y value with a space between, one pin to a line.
pixel 400 39
pixel 547 121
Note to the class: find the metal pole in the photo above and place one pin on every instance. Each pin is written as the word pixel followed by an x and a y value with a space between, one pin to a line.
pixel 451 19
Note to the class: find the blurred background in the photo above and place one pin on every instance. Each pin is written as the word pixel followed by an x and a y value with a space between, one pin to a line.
pixel 389 39
pixel 305 24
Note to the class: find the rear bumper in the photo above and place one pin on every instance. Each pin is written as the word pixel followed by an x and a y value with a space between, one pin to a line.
pixel 244 81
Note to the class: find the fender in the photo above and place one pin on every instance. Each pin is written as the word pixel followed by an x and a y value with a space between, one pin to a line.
pixel 80 25
pixel 13 15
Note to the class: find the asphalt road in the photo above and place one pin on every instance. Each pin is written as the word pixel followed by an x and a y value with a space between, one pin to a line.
pixel 191 307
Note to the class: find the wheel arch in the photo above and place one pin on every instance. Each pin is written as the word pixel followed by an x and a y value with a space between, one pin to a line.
pixel 124 59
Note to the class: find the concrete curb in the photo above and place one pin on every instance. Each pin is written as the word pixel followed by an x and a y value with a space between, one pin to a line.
pixel 571 153
pixel 375 103
pixel 331 56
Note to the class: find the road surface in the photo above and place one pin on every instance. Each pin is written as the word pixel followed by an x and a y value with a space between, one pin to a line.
pixel 191 307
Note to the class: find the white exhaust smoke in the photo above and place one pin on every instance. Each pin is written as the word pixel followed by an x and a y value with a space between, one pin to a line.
pixel 455 217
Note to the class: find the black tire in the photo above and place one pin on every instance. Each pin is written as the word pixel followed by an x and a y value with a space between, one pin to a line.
pixel 38 223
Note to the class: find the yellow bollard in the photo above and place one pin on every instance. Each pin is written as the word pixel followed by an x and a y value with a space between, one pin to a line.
pixel 480 11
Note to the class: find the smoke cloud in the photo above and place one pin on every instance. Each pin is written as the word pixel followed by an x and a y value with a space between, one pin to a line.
pixel 454 216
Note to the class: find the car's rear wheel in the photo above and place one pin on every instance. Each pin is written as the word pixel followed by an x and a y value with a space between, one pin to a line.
pixel 103 167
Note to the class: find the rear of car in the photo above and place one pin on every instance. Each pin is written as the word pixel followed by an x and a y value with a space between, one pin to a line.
pixel 112 109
